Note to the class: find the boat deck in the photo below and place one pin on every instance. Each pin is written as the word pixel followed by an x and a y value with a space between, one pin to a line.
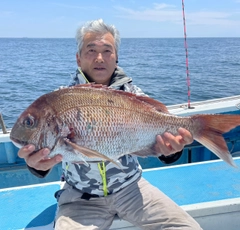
pixel 202 189
pixel 197 183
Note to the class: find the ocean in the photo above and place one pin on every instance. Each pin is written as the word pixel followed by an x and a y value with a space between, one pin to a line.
pixel 30 67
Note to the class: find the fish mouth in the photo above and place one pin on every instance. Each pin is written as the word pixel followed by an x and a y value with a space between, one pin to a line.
pixel 17 143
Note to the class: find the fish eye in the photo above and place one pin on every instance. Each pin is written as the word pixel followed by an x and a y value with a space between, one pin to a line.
pixel 29 121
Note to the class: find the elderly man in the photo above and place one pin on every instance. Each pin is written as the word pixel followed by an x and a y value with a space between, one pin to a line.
pixel 94 194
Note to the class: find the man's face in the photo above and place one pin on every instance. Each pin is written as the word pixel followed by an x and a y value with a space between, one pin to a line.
pixel 98 57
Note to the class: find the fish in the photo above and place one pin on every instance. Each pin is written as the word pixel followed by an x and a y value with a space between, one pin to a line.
pixel 93 122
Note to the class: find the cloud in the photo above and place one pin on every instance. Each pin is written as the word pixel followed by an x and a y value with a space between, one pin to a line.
pixel 159 13
pixel 213 18
pixel 159 6
pixel 170 13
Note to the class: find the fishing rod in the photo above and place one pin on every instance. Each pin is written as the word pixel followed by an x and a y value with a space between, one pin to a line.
pixel 186 51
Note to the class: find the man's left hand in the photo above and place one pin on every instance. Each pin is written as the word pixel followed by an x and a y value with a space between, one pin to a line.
pixel 168 144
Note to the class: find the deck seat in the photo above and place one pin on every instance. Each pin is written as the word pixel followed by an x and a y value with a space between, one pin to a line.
pixel 203 189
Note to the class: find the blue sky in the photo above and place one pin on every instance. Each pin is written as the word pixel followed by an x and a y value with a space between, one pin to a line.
pixel 133 18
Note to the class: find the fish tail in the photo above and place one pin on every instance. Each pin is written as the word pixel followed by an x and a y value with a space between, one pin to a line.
pixel 210 129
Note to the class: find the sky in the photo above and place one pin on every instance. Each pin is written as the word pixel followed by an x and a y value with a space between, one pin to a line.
pixel 133 18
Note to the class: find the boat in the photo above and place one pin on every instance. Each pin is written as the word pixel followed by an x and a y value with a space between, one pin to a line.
pixel 206 187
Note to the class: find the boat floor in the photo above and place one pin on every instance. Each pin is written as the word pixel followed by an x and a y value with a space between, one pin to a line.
pixel 209 191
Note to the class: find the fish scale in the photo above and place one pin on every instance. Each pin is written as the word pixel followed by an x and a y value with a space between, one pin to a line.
pixel 93 122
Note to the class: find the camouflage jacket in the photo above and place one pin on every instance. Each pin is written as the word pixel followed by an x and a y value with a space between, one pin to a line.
pixel 88 179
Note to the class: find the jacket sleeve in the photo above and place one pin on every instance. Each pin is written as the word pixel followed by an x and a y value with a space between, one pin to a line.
pixel 38 173
pixel 134 89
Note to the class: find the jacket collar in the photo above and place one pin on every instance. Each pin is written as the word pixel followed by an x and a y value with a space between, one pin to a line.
pixel 118 79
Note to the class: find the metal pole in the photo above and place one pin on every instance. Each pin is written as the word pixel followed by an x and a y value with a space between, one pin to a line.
pixel 2 124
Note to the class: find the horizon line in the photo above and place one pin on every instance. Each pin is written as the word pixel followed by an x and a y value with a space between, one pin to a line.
pixel 122 37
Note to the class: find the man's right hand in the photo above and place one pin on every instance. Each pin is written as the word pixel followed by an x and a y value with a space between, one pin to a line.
pixel 38 160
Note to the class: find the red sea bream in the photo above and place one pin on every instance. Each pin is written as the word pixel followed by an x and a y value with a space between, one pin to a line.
pixel 93 123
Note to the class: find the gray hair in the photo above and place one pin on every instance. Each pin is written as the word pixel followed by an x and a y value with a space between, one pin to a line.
pixel 97 26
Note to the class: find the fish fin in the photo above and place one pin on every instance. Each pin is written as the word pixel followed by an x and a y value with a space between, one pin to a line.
pixel 150 101
pixel 147 152
pixel 211 128
pixel 88 152
pixel 159 106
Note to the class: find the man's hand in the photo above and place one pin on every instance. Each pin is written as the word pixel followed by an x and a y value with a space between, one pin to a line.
pixel 167 144
pixel 38 160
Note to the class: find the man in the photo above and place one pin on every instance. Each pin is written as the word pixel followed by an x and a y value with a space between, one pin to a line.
pixel 94 194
